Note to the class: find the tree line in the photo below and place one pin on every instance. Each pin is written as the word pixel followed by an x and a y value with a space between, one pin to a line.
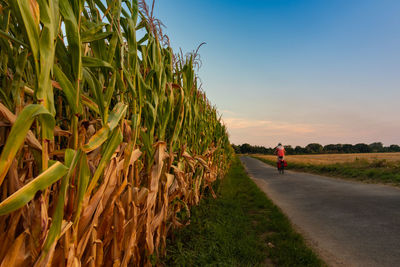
pixel 315 148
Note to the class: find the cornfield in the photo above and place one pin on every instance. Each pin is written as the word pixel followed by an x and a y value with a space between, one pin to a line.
pixel 106 141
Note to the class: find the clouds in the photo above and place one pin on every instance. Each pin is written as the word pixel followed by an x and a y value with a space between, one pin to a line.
pixel 269 132
pixel 267 125
pixel 263 132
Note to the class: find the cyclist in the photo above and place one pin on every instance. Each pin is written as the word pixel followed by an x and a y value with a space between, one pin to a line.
pixel 280 152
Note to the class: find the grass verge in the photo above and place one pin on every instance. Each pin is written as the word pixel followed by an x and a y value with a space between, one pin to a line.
pixel 242 227
pixel 377 171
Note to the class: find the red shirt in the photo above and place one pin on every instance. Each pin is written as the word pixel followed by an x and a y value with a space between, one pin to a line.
pixel 280 151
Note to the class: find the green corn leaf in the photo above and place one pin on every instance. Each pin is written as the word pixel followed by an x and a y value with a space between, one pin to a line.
pixel 19 131
pixel 101 136
pixel 129 83
pixel 73 37
pixel 109 92
pixel 68 90
pixel 150 75
pixel 6 99
pixel 49 18
pixel 28 191
pixel 87 101
pixel 113 143
pixel 95 63
pixel 144 85
pixel 88 38
pixel 101 6
pixel 71 160
pixel 90 28
pixel 31 22
pixel 97 140
pixel 144 39
pixel 96 89
pixel 116 115
pixel 147 142
pixel 112 47
pixel 9 37
pixel 17 82
pixel 64 58
pixel 83 181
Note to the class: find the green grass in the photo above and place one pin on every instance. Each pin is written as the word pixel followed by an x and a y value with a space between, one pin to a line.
pixel 242 227
pixel 380 171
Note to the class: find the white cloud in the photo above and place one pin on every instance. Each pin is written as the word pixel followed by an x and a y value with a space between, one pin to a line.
pixel 271 132
pixel 239 123
pixel 265 132
pixel 267 125
pixel 341 129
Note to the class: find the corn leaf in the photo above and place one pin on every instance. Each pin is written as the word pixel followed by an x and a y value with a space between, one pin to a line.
pixel 101 136
pixel 30 18
pixel 90 103
pixel 115 140
pixel 27 192
pixel 73 37
pixel 9 37
pixel 97 140
pixel 116 115
pixel 71 159
pixel 68 90
pixel 88 38
pixel 95 62
pixel 96 89
pixel 49 18
pixel 83 181
pixel 19 132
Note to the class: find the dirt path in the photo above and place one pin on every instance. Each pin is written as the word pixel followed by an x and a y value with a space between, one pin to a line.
pixel 348 223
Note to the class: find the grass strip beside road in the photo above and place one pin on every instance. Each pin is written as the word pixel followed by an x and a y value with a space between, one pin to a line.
pixel 377 171
pixel 242 227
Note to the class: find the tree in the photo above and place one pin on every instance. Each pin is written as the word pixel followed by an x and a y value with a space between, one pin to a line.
pixel 314 148
pixel 394 148
pixel 236 148
pixel 289 150
pixel 347 148
pixel 362 148
pixel 376 147
pixel 299 150
pixel 245 148
pixel 331 148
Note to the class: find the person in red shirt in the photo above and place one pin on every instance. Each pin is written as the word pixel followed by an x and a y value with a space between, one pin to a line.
pixel 280 152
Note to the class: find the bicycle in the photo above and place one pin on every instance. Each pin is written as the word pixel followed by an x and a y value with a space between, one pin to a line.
pixel 281 164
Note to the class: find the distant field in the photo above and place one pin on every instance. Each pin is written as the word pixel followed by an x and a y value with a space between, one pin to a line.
pixel 371 167
pixel 323 159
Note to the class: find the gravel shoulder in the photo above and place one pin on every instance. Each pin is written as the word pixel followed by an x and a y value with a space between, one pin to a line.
pixel 347 223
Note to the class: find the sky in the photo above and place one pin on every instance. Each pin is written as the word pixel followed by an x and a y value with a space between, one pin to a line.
pixel 295 72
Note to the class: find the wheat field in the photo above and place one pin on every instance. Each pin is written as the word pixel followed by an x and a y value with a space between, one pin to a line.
pixel 322 159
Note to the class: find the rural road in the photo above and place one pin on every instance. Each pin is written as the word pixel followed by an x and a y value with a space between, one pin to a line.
pixel 347 223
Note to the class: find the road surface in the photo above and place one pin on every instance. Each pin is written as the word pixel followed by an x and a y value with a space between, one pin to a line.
pixel 348 223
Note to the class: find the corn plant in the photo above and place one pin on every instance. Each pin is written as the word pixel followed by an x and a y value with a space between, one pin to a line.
pixel 106 141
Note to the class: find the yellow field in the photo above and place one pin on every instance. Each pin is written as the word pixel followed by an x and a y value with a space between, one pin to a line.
pixel 336 158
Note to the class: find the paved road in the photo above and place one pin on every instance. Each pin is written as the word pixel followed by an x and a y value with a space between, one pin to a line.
pixel 348 223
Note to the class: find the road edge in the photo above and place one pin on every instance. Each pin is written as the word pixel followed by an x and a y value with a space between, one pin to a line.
pixel 330 259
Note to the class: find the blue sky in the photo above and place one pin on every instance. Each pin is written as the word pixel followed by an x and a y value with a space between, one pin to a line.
pixel 296 72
